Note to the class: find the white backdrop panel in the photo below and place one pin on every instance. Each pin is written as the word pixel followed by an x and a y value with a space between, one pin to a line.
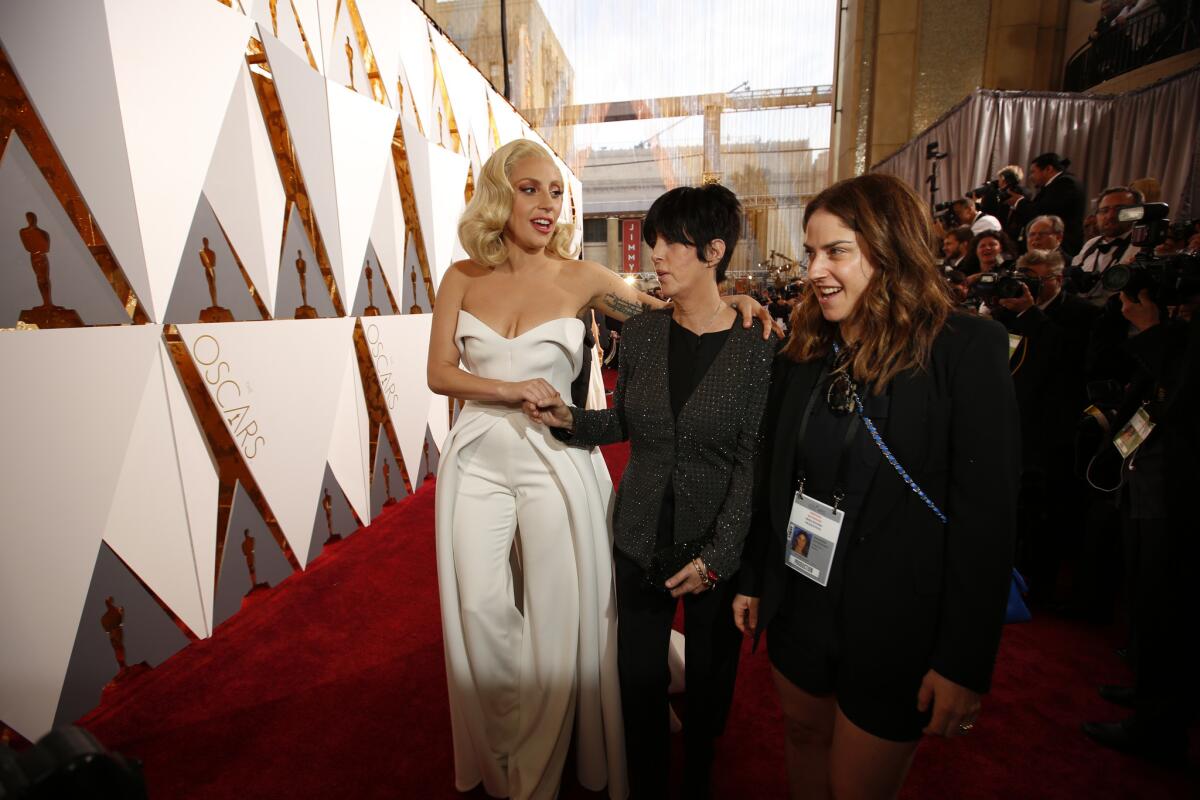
pixel 361 132
pixel 244 189
pixel 416 56
pixel 76 279
pixel 69 404
pixel 73 89
pixel 439 177
pixel 400 347
pixel 272 386
pixel 348 446
pixel 382 20
pixel 387 231
pixel 176 63
pixel 148 525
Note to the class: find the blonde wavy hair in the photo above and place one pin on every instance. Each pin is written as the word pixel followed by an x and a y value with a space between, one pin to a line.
pixel 905 303
pixel 481 229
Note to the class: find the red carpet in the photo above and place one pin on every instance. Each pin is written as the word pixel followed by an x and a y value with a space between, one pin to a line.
pixel 332 685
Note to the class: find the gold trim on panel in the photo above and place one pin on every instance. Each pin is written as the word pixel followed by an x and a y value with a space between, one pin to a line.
pixel 377 410
pixel 227 456
pixel 378 90
pixel 439 83
pixel 293 182
pixel 408 202
pixel 179 623
pixel 312 62
pixel 18 115
pixel 259 303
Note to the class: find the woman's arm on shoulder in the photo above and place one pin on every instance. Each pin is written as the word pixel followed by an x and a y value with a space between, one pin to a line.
pixel 443 372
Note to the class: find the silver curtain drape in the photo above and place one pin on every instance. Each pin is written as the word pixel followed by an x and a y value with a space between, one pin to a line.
pixel 1110 139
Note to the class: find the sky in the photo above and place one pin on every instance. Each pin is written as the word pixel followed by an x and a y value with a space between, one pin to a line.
pixel 629 49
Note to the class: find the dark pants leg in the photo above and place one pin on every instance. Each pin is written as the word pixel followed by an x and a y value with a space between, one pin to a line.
pixel 711 653
pixel 643 637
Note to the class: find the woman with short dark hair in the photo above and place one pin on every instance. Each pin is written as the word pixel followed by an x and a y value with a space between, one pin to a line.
pixel 890 443
pixel 689 397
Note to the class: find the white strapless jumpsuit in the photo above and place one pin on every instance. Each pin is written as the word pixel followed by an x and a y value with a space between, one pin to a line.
pixel 522 679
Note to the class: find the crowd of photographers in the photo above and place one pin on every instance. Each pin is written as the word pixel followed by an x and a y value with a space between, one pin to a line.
pixel 1101 313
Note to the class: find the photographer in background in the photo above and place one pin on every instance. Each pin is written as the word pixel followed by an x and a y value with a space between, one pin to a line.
pixel 1046 233
pixel 993 195
pixel 1049 376
pixel 954 246
pixel 967 213
pixel 1058 193
pixel 1161 472
pixel 1112 246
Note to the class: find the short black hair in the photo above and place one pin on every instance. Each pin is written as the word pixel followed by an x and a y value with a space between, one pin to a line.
pixel 963 233
pixel 1052 160
pixel 696 216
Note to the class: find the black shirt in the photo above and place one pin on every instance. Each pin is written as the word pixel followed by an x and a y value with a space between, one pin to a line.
pixel 688 358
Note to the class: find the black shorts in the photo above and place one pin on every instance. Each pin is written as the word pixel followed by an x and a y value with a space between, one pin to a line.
pixel 806 643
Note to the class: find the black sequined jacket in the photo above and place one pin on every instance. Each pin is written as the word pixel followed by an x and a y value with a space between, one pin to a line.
pixel 708 452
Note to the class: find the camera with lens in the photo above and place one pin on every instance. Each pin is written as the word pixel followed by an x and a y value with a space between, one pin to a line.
pixel 1169 279
pixel 944 213
pixel 1005 284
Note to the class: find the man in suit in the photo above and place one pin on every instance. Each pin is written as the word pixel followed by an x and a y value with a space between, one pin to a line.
pixel 1049 379
pixel 1113 245
pixel 1059 193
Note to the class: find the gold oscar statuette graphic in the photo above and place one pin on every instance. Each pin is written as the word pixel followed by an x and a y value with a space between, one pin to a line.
pixel 248 552
pixel 47 315
pixel 304 310
pixel 327 504
pixel 112 621
pixel 350 62
pixel 370 310
pixel 425 452
pixel 213 313
pixel 387 484
pixel 414 308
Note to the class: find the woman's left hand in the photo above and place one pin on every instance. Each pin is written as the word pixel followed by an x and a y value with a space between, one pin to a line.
pixel 687 580
pixel 751 309
pixel 955 707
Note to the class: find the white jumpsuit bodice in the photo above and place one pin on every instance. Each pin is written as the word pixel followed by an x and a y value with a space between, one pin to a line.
pixel 525 672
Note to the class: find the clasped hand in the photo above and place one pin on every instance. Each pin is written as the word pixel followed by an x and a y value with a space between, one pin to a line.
pixel 542 403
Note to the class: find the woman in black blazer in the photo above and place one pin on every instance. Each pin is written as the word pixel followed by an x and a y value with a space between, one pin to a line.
pixel 901 638
pixel 690 395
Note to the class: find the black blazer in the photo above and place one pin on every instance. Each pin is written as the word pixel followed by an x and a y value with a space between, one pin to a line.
pixel 708 453
pixel 1063 197
pixel 915 591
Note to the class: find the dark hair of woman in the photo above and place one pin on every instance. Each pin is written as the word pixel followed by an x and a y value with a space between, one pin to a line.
pixel 683 214
pixel 970 263
pixel 907 300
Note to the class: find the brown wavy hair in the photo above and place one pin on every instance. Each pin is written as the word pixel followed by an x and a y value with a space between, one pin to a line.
pixel 906 302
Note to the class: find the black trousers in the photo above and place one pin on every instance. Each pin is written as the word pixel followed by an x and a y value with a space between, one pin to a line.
pixel 713 644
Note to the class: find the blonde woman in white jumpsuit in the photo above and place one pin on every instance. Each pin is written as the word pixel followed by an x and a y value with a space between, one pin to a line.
pixel 525 673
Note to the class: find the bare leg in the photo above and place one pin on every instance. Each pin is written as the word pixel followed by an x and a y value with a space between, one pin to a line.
pixel 863 766
pixel 808 726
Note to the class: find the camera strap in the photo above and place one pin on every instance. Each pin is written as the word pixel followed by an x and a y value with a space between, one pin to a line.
pixel 841 466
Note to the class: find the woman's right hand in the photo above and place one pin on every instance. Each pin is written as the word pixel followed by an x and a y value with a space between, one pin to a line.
pixel 745 613
pixel 552 412
pixel 516 393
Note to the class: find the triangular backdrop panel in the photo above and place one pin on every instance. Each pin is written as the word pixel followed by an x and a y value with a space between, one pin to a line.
pixel 73 89
pixel 401 347
pixel 85 386
pixel 382 21
pixel 271 384
pixel 149 636
pixel 305 103
pixel 340 521
pixel 438 176
pixel 349 446
pixel 373 293
pixel 362 133
pixel 149 526
pixel 387 231
pixel 382 482
pixel 244 190
pixel 468 95
pixel 75 278
pixel 172 116
pixel 508 121
pixel 296 248
pixel 416 57
pixel 292 28
pixel 415 291
pixel 270 565
pixel 337 65
pixel 190 293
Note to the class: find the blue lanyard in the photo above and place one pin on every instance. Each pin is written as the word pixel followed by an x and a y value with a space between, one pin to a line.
pixel 883 448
